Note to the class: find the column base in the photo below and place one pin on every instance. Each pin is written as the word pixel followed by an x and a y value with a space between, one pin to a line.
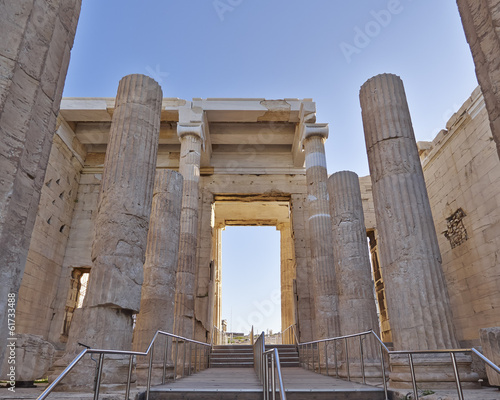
pixel 432 371
pixel 156 373
pixel 373 371
pixel 82 376
pixel 102 328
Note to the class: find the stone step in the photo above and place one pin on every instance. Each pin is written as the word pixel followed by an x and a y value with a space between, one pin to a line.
pixel 222 358
pixel 231 351
pixel 289 355
pixel 234 346
pixel 242 384
pixel 241 356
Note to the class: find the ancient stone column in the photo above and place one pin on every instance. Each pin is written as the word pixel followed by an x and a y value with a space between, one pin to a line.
pixel 304 303
pixel 480 19
pixel 160 267
pixel 320 231
pixel 191 137
pixel 288 275
pixel 357 309
pixel 417 298
pixel 121 230
pixel 37 37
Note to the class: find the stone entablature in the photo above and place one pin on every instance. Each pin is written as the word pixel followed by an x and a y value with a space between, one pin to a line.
pixel 267 134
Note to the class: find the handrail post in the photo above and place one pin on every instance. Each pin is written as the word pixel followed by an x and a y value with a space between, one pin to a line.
pixel 150 370
pixel 335 356
pixel 165 357
pixel 195 357
pixel 98 377
pixel 313 358
pixel 347 360
pixel 266 378
pixel 190 355
pixel 175 359
pixel 457 376
pixel 129 377
pixel 184 359
pixel 273 376
pixel 413 379
pixel 382 365
pixel 326 358
pixel 362 359
pixel 198 360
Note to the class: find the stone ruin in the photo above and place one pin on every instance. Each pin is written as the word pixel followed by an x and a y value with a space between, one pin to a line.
pixel 136 190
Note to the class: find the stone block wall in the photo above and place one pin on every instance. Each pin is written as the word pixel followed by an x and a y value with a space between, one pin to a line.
pixel 462 172
pixel 50 235
pixel 78 250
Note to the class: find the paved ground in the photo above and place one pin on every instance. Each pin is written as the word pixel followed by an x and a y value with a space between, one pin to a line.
pixel 238 378
pixel 470 394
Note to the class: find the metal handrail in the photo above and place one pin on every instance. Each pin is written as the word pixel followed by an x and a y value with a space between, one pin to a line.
pixel 383 347
pixel 270 387
pixel 261 365
pixel 259 347
pixel 294 329
pixel 131 354
pixel 219 336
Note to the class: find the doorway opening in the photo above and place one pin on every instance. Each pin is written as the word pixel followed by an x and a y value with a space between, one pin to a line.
pixel 251 290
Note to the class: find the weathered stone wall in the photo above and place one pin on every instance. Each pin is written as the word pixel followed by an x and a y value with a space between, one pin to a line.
pixel 50 235
pixel 462 171
pixel 78 250
pixel 480 19
pixel 37 37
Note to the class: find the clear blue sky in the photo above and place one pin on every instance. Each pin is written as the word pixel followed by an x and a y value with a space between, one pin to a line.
pixel 320 49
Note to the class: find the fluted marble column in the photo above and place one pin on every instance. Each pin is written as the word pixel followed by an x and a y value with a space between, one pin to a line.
pixel 287 278
pixel 160 267
pixel 417 298
pixel 480 19
pixel 121 230
pixel 35 45
pixel 320 231
pixel 357 309
pixel 304 305
pixel 191 137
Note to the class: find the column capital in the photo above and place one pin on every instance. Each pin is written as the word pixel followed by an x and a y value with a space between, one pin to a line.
pixel 195 129
pixel 311 130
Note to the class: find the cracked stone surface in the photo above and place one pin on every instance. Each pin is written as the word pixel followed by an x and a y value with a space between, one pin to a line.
pixel 480 19
pixel 191 141
pixel 490 341
pixel 417 299
pixel 121 229
pixel 160 267
pixel 37 37
pixel 357 310
pixel 320 230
